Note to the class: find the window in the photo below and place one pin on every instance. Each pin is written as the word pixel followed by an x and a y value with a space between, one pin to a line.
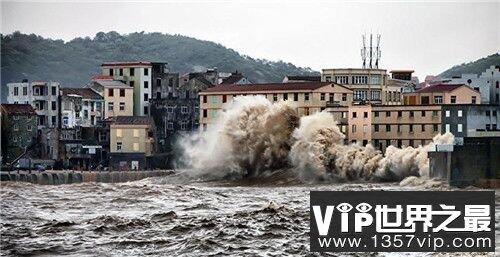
pixel 122 106
pixel 119 146
pixel 16 91
pixel 387 114
pixel 354 114
pixel 224 98
pixel 412 114
pixel 435 113
pixel 118 133
pixel 344 97
pixel 170 125
pixel 447 113
pixel 146 84
pixel 487 112
pixel 110 106
pixel 146 110
pixel 353 128
pixel 136 133
pixel 132 72
pixel 85 114
pixel 453 99
pixel 54 105
pixel 388 128
pixel 341 79
pixel 411 128
pixel 54 120
pixel 65 121
pixel 400 114
pixel 205 113
pixel 110 92
pixel 376 127
pixel 275 97
pixel 387 143
pixel 136 147
pixel 376 114
pixel 183 125
pixel 494 113
pixel 29 128
pixel 365 115
pixel 120 71
pixel 146 71
pixel 400 128
pixel 111 72
pixel 328 78
pixel 435 128
pixel 459 113
pixel 16 127
pixel 473 100
pixel 365 128
pixel 424 100
pixel 423 113
pixel 204 99
pixel 146 97
pixel 213 114
pixel 285 96
pixel 488 128
pixel 447 128
pixel 438 99
pixel 459 128
pixel 423 127
pixel 296 97
pixel 132 83
pixel 306 97
pixel 322 97
pixel 122 92
pixel 184 109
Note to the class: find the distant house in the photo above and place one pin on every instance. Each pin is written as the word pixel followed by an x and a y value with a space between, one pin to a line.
pixel 443 94
pixel 19 130
pixel 299 78
pixel 131 142
pixel 234 78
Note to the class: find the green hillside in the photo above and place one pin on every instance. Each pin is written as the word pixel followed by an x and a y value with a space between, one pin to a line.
pixel 475 67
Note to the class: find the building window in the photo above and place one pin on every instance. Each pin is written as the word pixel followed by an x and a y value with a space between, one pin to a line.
pixel 132 72
pixel 306 97
pixel 423 113
pixel 170 126
pixel 411 128
pixel 387 143
pixel 344 97
pixel 120 71
pixel 204 99
pixel 136 147
pixel 54 105
pixel 122 92
pixel 136 133
pixel 412 114
pixel 146 97
pixel 25 90
pixel 85 114
pixel 328 78
pixel 119 146
pixel 275 97
pixel 285 96
pixel 111 92
pixel 447 113
pixel 365 115
pixel 224 98
pixel 170 109
pixel 65 121
pixel 387 114
pixel 118 133
pixel 435 128
pixel 376 127
pixel 459 128
pixel 494 113
pixel 111 72
pixel 205 113
pixel 353 128
pixel 122 106
pixel 214 99
pixel 423 128
pixel 388 128
pixel 376 114
pixel 183 125
pixel 447 128
pixel 488 127
pixel 132 83
pixel 110 106
pixel 400 128
pixel 54 120
pixel 354 114
pixel 473 100
pixel 146 71
pixel 344 115
pixel 146 110
pixel 365 128
pixel 16 127
pixel 296 97
pixel 400 114
pixel 29 128
pixel 146 84
pixel 322 97
pixel 213 114
pixel 184 109
pixel 16 91
pixel 453 99
pixel 438 99
pixel 488 113
pixel 435 113
pixel 459 113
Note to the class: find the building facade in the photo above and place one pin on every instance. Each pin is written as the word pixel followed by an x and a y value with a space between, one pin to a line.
pixel 131 142
pixel 308 97
pixel 81 107
pixel 136 75
pixel 443 94
pixel 118 97
pixel 43 96
pixel 19 130
pixel 368 85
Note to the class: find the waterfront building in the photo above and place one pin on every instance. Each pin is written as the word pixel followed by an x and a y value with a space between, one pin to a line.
pixel 118 97
pixel 19 130
pixel 138 76
pixel 43 96
pixel 443 94
pixel 131 142
pixel 80 107
pixel 384 125
pixel 309 97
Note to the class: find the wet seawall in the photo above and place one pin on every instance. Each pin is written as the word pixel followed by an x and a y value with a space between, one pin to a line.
pixel 69 177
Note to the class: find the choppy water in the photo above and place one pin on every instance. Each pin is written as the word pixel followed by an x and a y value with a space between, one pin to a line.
pixel 165 217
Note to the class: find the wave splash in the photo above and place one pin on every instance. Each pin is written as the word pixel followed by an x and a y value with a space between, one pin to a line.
pixel 253 136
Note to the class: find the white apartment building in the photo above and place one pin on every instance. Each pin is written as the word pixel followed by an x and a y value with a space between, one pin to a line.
pixel 81 107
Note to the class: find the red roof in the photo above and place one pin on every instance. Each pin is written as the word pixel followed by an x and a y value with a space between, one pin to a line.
pixel 138 63
pixel 18 109
pixel 439 88
pixel 269 87
pixel 85 93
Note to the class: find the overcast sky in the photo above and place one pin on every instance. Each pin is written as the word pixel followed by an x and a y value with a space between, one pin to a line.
pixel 425 36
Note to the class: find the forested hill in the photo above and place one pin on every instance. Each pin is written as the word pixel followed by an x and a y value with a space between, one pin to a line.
pixel 475 67
pixel 74 62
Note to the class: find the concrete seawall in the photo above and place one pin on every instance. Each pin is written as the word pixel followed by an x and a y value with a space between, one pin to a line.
pixel 68 177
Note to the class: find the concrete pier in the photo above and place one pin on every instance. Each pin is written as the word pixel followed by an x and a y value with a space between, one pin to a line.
pixel 59 177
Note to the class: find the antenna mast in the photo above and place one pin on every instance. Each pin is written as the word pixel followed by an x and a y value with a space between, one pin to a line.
pixel 378 52
pixel 363 51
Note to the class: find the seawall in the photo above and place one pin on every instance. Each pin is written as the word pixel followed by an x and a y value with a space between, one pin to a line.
pixel 68 177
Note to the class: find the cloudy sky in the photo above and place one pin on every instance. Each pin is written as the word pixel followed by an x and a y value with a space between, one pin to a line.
pixel 428 37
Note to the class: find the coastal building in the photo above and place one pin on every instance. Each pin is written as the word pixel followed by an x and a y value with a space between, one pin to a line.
pixel 81 107
pixel 136 75
pixel 368 85
pixel 443 94
pixel 309 97
pixel 131 142
pixel 43 96
pixel 19 130
pixel 118 97
pixel 384 125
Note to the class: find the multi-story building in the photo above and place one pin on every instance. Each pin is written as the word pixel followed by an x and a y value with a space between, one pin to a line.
pixel 19 130
pixel 118 97
pixel 368 85
pixel 443 94
pixel 138 76
pixel 43 96
pixel 81 107
pixel 309 97
pixel 131 142
pixel 468 121
pixel 384 125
